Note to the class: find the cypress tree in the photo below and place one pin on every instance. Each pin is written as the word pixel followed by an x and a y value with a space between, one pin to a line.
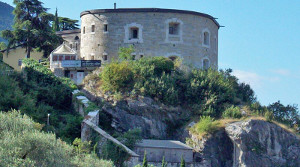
pixel 145 163
pixel 182 164
pixel 164 163
pixel 55 25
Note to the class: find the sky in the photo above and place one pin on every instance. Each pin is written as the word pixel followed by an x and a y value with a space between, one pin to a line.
pixel 260 41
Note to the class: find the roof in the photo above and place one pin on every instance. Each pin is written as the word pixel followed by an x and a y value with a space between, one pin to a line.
pixel 68 32
pixel 160 10
pixel 163 144
pixel 63 49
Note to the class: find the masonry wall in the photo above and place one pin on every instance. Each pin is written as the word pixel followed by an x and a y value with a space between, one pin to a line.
pixel 155 40
pixel 172 155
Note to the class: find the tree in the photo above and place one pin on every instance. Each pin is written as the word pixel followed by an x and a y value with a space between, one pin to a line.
pixel 55 24
pixel 182 163
pixel 145 162
pixel 2 46
pixel 164 163
pixel 67 24
pixel 31 27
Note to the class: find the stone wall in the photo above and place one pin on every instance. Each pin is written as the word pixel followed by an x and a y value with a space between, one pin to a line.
pixel 153 31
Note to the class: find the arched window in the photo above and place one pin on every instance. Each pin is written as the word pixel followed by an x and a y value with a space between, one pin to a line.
pixel 205 64
pixel 83 30
pixel 206 38
pixel 76 38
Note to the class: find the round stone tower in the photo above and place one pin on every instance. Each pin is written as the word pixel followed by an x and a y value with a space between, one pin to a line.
pixel 189 35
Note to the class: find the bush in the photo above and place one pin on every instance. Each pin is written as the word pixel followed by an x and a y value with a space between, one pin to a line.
pixel 206 125
pixel 117 76
pixel 232 112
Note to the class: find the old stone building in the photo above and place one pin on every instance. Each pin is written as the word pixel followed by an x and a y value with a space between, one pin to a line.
pixel 189 35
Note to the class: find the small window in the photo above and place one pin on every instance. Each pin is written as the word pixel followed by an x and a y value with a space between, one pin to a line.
pixel 71 46
pixel 67 58
pixel 104 57
pixel 92 57
pixel 54 58
pixel 105 28
pixel 134 31
pixel 141 56
pixel 93 28
pixel 83 31
pixel 76 46
pixel 206 38
pixel 205 64
pixel 174 28
pixel 76 38
pixel 60 58
pixel 20 62
pixel 73 57
pixel 133 57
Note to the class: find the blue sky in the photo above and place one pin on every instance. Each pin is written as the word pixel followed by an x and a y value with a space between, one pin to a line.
pixel 260 40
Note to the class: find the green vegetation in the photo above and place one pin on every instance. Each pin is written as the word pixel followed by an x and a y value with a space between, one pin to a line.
pixel 145 162
pixel 206 125
pixel 116 153
pixel 182 163
pixel 37 92
pixel 23 144
pixel 206 92
pixel 232 112
pixel 163 162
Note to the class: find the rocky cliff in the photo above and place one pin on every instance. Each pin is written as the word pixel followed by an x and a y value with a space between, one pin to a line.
pixel 249 143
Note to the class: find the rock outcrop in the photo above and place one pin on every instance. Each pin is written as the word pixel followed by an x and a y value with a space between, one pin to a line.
pixel 249 143
pixel 260 143
pixel 154 119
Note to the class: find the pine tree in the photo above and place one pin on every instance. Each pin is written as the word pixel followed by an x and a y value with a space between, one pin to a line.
pixel 182 164
pixel 164 163
pixel 145 163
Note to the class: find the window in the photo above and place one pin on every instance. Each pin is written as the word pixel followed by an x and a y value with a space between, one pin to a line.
pixel 93 28
pixel 20 62
pixel 134 33
pixel 67 58
pixel 76 46
pixel 92 57
pixel 104 57
pixel 76 38
pixel 205 64
pixel 206 38
pixel 71 46
pixel 133 57
pixel 54 58
pixel 141 56
pixel 174 28
pixel 60 58
pixel 83 31
pixel 105 29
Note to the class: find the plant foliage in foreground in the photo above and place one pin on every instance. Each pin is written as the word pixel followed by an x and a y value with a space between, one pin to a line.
pixel 23 144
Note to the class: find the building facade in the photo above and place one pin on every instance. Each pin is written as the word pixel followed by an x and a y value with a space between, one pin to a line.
pixel 15 56
pixel 191 36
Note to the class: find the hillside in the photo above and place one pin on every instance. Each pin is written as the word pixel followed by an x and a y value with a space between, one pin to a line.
pixel 6 17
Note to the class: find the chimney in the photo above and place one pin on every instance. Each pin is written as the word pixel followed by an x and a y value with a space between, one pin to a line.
pixel 115 5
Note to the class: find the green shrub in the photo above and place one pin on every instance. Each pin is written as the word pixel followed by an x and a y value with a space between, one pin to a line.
pixel 117 76
pixel 232 112
pixel 206 125
pixel 269 116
